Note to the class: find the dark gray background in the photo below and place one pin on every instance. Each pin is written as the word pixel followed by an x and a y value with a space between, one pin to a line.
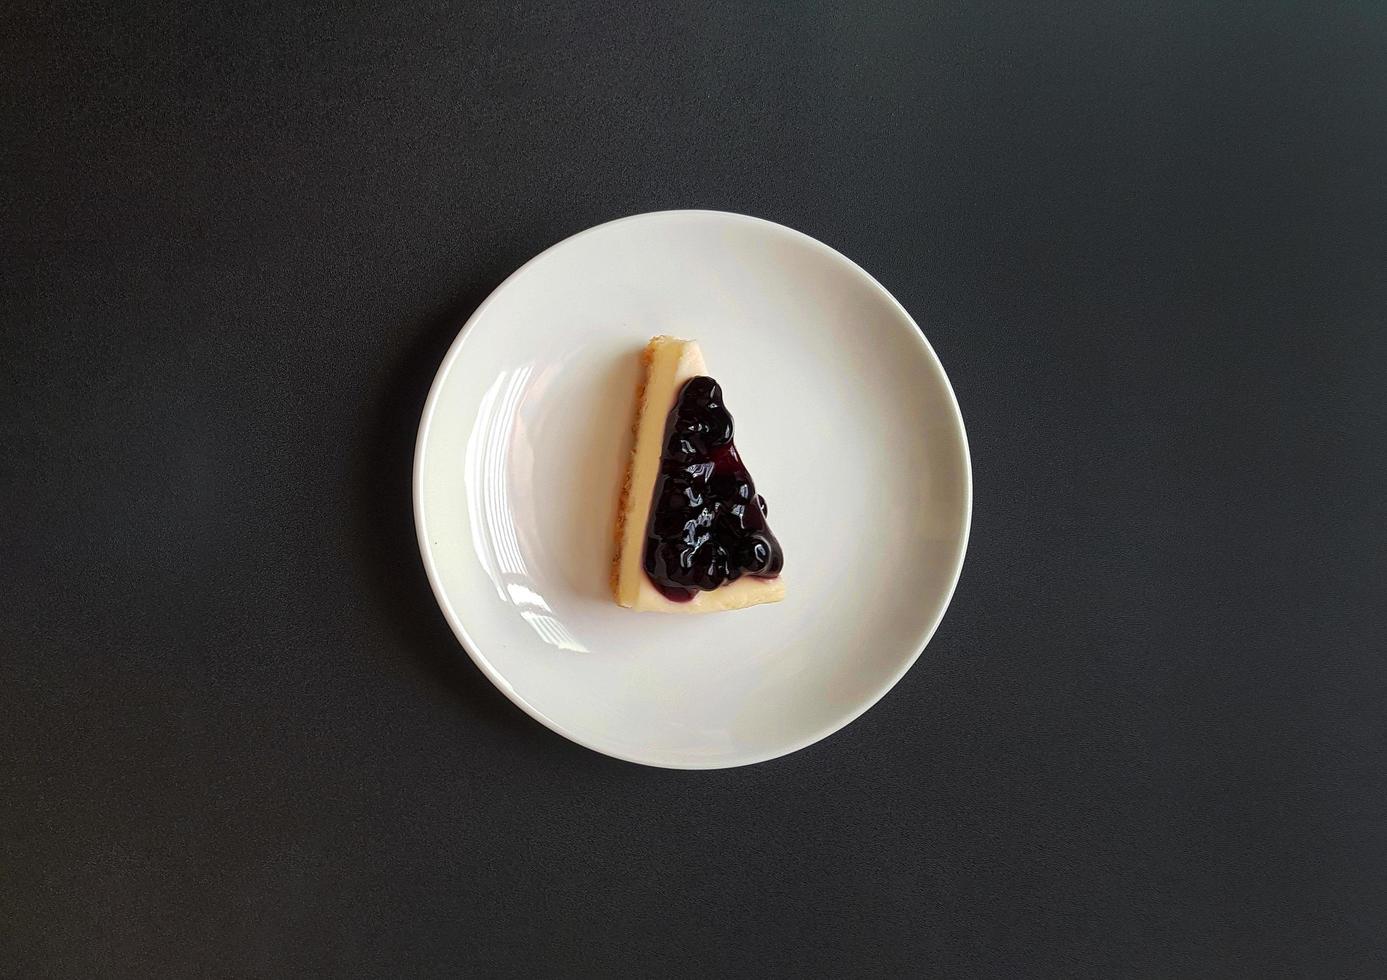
pixel 1149 244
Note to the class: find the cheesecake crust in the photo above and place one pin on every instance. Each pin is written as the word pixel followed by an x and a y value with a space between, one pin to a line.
pixel 647 355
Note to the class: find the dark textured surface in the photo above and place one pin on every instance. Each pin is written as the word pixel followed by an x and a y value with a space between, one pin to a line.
pixel 1149 243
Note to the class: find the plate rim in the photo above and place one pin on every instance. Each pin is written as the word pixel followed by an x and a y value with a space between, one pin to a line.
pixel 455 622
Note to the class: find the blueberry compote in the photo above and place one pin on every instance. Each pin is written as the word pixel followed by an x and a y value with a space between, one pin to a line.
pixel 707 522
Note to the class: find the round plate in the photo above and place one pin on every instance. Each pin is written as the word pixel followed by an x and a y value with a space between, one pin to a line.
pixel 844 417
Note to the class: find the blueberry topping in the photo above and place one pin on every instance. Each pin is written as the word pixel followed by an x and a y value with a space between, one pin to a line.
pixel 704 531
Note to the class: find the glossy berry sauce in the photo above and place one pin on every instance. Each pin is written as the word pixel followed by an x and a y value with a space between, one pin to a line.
pixel 707 522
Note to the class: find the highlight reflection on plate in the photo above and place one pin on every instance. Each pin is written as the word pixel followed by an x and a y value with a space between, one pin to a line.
pixel 843 414
pixel 494 535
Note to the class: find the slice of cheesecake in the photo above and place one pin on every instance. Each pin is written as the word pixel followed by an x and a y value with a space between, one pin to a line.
pixel 691 531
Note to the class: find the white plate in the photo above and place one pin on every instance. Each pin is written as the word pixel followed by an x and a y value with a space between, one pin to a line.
pixel 848 426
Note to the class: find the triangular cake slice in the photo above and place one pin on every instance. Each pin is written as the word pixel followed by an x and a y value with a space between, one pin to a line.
pixel 692 535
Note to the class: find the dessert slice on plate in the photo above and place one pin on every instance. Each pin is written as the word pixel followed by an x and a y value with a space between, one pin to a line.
pixel 691 533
